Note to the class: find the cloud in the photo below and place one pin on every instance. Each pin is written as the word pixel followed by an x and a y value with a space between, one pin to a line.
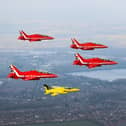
pixel 1 83
pixel 108 75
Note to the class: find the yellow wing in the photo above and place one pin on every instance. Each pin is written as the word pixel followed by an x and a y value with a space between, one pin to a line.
pixel 54 94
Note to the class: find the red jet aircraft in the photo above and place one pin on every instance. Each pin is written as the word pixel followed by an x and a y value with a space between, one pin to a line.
pixel 92 62
pixel 86 46
pixel 28 75
pixel 33 37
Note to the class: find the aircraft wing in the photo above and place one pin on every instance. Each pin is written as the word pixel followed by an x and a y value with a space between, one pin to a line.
pixel 54 94
pixel 32 78
pixel 34 39
pixel 92 65
pixel 87 48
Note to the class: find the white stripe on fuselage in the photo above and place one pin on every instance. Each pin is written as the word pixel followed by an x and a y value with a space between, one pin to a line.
pixel 28 38
pixel 19 75
pixel 88 62
pixel 89 46
pixel 35 76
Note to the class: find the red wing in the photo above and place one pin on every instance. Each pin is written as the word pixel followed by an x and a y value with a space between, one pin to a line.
pixel 34 39
pixel 93 65
pixel 86 48
pixel 32 78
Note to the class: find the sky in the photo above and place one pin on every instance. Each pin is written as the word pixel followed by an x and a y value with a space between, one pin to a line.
pixel 93 20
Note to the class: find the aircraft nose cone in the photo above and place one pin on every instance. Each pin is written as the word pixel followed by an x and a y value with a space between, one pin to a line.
pixel 78 89
pixel 114 62
pixel 105 46
pixel 54 75
pixel 51 38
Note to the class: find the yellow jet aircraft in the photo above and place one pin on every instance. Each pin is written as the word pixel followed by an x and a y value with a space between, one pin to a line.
pixel 56 90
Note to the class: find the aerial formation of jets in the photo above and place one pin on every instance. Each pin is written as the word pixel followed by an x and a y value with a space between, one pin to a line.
pixel 91 62
pixel 79 60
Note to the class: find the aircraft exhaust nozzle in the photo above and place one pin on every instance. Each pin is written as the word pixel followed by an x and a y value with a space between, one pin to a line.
pixel 74 63
pixel 20 38
pixel 8 76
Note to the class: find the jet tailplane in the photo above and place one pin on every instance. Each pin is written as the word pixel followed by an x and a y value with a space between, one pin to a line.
pixel 75 42
pixel 23 34
pixel 15 70
pixel 46 87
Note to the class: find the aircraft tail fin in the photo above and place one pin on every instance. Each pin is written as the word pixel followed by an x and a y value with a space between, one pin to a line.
pixel 46 87
pixel 15 70
pixel 79 57
pixel 75 42
pixel 22 33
